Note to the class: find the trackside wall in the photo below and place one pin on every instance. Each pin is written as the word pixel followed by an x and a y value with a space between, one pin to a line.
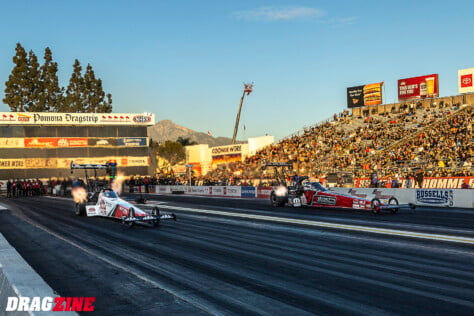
pixel 461 198
pixel 17 279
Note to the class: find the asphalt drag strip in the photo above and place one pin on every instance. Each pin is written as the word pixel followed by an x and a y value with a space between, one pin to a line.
pixel 217 264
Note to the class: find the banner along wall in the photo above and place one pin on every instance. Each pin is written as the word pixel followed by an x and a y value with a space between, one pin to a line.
pixel 66 142
pixel 50 118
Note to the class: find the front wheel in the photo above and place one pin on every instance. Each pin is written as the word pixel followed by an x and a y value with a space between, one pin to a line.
pixel 155 212
pixel 131 214
pixel 393 201
pixel 80 209
pixel 276 201
pixel 376 206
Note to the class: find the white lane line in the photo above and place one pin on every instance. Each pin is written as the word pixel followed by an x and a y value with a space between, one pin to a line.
pixel 366 229
pixel 3 207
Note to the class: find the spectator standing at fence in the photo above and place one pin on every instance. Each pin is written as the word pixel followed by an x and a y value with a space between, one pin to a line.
pixel 374 180
pixel 419 178
pixel 9 188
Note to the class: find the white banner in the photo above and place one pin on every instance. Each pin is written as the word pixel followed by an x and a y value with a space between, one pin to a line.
pixel 51 118
pixel 465 80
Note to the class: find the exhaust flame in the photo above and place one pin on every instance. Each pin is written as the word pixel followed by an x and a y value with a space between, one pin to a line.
pixel 281 191
pixel 117 183
pixel 79 194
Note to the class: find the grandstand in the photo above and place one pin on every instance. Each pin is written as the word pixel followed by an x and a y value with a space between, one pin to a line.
pixel 437 139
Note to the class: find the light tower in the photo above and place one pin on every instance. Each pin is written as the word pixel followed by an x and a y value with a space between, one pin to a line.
pixel 248 87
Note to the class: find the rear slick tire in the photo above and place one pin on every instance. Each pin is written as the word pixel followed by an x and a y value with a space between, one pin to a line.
pixel 393 201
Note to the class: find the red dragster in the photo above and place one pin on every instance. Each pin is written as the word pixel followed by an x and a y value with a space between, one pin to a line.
pixel 314 194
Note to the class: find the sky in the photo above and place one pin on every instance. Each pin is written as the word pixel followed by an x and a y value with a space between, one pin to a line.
pixel 186 61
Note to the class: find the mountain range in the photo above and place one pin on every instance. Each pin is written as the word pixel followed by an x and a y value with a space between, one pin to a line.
pixel 167 130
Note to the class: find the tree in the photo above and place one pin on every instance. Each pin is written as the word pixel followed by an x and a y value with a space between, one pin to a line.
pixel 173 152
pixel 51 96
pixel 17 85
pixel 186 141
pixel 34 85
pixel 74 100
pixel 94 95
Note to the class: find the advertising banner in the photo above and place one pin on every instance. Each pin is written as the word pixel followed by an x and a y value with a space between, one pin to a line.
pixel 102 142
pixel 12 142
pixel 249 192
pixel 369 94
pixel 133 141
pixel 65 163
pixel 226 154
pixel 55 142
pixel 428 182
pixel 434 197
pixel 418 87
pixel 465 83
pixel 264 192
pixel 64 142
pixel 50 118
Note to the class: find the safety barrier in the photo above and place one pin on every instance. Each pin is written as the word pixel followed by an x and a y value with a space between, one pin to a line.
pixel 423 197
pixel 18 279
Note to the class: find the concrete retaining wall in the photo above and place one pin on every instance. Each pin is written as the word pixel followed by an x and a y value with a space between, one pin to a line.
pixel 17 279
pixel 461 198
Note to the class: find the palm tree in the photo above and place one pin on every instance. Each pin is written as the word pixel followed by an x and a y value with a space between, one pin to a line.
pixel 186 141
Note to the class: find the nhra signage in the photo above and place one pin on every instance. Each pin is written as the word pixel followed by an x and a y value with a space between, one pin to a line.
pixel 465 83
pixel 418 87
pixel 51 118
pixel 434 197
pixel 369 94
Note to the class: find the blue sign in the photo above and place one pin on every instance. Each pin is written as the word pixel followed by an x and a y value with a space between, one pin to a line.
pixel 438 197
pixel 132 141
pixel 248 192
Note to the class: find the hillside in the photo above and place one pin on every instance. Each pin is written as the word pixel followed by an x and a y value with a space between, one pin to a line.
pixel 167 130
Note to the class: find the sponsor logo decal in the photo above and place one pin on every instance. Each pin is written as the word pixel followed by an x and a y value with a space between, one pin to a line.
pixel 23 117
pixel 49 304
pixel 435 197
pixel 141 119
pixel 466 81
pixel 7 117
pixel 327 200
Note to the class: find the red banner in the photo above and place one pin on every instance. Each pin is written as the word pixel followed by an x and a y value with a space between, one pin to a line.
pixel 418 87
pixel 428 183
pixel 264 192
pixel 55 142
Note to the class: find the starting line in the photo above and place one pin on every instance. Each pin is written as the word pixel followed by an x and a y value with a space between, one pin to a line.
pixel 366 229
